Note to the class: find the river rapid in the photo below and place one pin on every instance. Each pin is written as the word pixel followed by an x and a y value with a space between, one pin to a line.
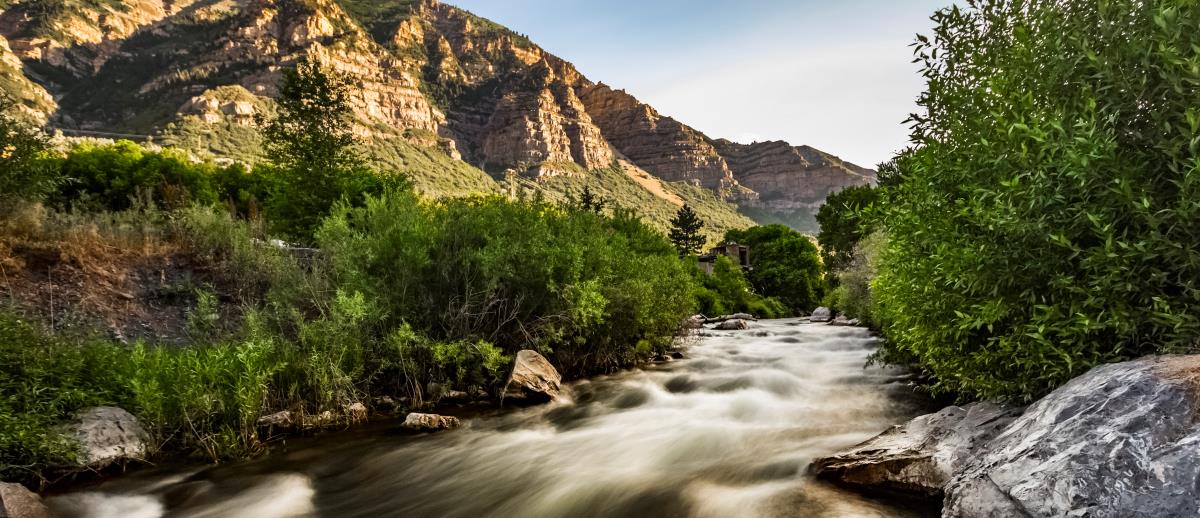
pixel 729 432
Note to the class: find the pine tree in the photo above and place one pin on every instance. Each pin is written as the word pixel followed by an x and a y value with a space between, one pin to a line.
pixel 310 147
pixel 590 202
pixel 685 232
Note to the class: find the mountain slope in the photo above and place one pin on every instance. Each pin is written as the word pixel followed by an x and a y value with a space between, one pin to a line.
pixel 457 102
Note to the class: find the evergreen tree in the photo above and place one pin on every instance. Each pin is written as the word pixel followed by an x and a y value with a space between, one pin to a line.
pixel 310 147
pixel 685 232
pixel 590 202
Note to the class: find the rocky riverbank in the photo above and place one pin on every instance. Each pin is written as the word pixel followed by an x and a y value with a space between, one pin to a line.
pixel 1121 441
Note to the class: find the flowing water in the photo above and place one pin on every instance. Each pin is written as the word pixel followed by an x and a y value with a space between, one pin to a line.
pixel 728 432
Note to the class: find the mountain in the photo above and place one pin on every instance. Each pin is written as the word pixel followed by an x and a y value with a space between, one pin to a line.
pixel 455 101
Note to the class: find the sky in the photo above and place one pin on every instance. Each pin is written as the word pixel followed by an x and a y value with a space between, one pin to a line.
pixel 833 74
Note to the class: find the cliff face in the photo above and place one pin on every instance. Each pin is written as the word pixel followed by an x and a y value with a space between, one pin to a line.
pixel 439 78
pixel 790 177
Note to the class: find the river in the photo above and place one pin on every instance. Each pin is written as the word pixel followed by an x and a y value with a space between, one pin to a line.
pixel 728 432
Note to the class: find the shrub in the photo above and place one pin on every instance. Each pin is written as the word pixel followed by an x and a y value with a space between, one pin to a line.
pixel 727 291
pixel 844 221
pixel 1046 221
pixel 577 285
pixel 24 173
pixel 853 294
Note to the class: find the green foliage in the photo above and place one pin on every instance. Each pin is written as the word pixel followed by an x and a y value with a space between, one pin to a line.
pixel 727 291
pixel 685 232
pixel 853 294
pixel 785 265
pixel 843 220
pixel 1046 221
pixel 311 152
pixel 24 173
pixel 579 286
pixel 118 176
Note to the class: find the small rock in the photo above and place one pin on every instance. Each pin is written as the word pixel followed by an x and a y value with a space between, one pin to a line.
pixel 18 502
pixel 533 379
pixel 457 395
pixel 107 435
pixel 732 325
pixel 356 412
pixel 841 320
pixel 322 420
pixel 429 422
pixel 821 314
pixel 677 355
pixel 695 322
pixel 282 419
pixel 384 403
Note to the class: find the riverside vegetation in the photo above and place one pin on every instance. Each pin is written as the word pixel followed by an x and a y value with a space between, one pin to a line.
pixel 1046 218
pixel 392 292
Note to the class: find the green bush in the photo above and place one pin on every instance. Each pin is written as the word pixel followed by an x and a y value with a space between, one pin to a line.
pixel 785 265
pixel 24 172
pixel 1046 221
pixel 121 175
pixel 579 286
pixel 727 291
pixel 853 294
pixel 844 221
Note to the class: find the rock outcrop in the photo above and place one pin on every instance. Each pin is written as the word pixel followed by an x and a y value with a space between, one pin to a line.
pixel 18 502
pixel 661 145
pixel 533 379
pixel 418 422
pixel 920 456
pixel 790 177
pixel 108 435
pixel 1121 441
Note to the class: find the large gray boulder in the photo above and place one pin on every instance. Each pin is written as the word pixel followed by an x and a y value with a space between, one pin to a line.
pixel 533 379
pixel 18 502
pixel 1122 441
pixel 107 435
pixel 821 314
pixel 918 457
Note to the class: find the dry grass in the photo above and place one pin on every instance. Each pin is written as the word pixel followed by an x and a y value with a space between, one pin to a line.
pixel 122 272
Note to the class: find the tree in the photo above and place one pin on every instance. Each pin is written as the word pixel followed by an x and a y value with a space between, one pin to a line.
pixel 1047 217
pixel 685 232
pixel 23 173
pixel 786 265
pixel 591 202
pixel 311 153
pixel 843 224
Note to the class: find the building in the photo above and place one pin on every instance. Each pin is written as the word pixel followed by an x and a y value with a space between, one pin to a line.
pixel 739 254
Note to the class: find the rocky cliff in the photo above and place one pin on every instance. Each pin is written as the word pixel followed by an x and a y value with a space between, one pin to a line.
pixel 432 84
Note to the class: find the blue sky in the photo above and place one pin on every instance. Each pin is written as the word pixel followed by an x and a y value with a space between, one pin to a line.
pixel 832 74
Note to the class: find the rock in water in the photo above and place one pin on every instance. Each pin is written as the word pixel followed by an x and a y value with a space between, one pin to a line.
pixel 821 314
pixel 533 379
pixel 920 456
pixel 1122 441
pixel 429 422
pixel 18 502
pixel 733 325
pixel 108 434
pixel 695 322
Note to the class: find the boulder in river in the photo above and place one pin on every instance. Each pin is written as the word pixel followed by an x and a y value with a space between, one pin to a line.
pixel 18 502
pixel 695 322
pixel 841 320
pixel 1121 441
pixel 821 314
pixel 533 379
pixel 429 422
pixel 107 435
pixel 920 456
pixel 733 325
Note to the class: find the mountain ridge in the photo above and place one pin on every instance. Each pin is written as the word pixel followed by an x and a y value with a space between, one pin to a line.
pixel 474 104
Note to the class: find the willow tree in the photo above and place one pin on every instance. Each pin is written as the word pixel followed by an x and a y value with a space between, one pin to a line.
pixel 1048 216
